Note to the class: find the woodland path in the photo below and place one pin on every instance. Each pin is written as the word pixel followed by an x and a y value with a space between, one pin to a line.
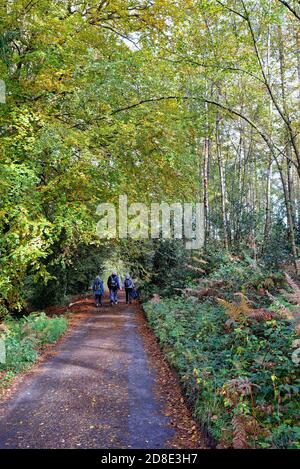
pixel 97 390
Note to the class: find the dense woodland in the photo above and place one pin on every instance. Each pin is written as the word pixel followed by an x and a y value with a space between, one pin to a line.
pixel 181 101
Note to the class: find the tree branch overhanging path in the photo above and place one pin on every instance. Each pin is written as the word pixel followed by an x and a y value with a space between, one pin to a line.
pixel 224 107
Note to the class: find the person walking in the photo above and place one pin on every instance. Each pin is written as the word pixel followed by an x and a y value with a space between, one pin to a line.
pixel 98 289
pixel 129 286
pixel 114 285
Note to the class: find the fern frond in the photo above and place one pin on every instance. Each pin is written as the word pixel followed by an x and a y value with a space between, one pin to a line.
pixel 242 311
pixel 244 425
pixel 237 387
pixel 231 309
pixel 239 440
pixel 262 314
pixel 244 303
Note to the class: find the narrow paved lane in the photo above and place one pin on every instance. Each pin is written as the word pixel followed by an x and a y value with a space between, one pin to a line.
pixel 96 391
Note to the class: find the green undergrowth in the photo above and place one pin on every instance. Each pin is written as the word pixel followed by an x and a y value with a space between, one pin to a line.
pixel 24 338
pixel 242 384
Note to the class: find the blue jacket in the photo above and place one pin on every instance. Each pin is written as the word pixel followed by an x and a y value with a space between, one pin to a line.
pixel 98 286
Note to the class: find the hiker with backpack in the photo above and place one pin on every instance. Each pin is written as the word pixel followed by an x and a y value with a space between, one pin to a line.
pixel 114 285
pixel 98 289
pixel 129 287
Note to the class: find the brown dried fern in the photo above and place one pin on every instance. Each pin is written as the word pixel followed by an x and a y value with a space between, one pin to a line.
pixel 262 314
pixel 242 311
pixel 232 310
pixel 239 440
pixel 244 426
pixel 244 303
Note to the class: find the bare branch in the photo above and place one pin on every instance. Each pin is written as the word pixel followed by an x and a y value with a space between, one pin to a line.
pixel 289 7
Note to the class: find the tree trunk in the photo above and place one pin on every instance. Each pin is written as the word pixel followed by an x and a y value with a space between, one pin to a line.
pixel 287 186
pixel 222 184
pixel 268 203
pixel 205 178
pixel 288 205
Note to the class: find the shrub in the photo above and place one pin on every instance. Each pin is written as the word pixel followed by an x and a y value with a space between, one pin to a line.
pixel 46 330
pixel 24 337
pixel 241 382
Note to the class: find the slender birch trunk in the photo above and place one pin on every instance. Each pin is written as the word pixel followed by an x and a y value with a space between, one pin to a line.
pixel 205 177
pixel 222 183
pixel 268 203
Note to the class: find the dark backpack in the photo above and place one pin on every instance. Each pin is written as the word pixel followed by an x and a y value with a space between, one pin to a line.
pixel 113 282
pixel 134 294
pixel 128 283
